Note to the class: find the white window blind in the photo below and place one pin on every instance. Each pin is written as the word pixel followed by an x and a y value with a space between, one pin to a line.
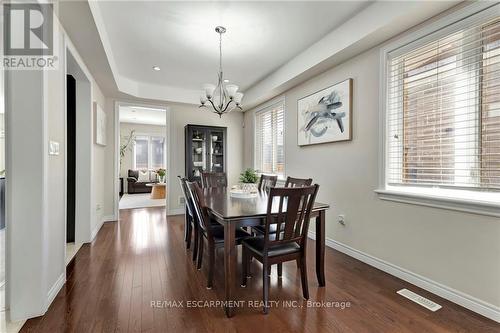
pixel 149 152
pixel 443 111
pixel 269 141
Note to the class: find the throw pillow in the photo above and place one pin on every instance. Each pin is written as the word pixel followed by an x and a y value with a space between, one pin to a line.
pixel 143 176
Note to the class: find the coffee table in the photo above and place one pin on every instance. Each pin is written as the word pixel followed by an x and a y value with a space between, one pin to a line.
pixel 158 191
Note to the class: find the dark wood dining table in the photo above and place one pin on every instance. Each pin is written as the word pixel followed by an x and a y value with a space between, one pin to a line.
pixel 232 213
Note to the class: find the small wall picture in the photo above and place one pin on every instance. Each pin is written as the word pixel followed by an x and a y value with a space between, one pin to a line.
pixel 326 116
pixel 100 125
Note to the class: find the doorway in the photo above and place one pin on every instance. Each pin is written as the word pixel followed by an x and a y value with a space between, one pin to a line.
pixel 143 156
pixel 71 157
pixel 78 157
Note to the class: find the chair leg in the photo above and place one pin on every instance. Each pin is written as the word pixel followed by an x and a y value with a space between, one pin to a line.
pixel 200 252
pixel 249 264
pixel 265 287
pixel 196 241
pixel 186 222
pixel 189 231
pixel 211 264
pixel 303 276
pixel 280 270
pixel 244 266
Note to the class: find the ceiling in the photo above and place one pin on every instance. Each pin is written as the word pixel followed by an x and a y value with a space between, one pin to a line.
pixel 269 48
pixel 179 37
pixel 142 115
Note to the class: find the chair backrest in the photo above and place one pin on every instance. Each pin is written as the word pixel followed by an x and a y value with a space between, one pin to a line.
pixel 290 209
pixel 187 197
pixel 266 182
pixel 297 182
pixel 213 179
pixel 199 206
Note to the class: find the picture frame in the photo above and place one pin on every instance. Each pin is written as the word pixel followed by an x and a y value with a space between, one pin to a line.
pixel 325 116
pixel 100 125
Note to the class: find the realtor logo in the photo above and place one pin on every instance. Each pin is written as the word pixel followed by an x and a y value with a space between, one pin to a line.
pixel 28 36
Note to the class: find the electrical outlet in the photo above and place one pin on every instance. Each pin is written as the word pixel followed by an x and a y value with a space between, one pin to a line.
pixel 98 207
pixel 341 219
pixel 182 200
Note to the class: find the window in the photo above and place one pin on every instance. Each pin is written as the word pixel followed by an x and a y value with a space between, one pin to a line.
pixel 141 153
pixel 269 140
pixel 149 152
pixel 157 152
pixel 443 110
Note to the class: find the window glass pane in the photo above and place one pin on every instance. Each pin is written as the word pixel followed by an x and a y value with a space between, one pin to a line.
pixel 490 122
pixel 157 152
pixel 141 152
pixel 442 111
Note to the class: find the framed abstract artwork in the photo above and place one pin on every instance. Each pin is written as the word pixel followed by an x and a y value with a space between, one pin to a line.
pixel 100 125
pixel 326 115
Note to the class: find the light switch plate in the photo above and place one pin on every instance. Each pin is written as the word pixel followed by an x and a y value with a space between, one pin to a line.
pixel 53 148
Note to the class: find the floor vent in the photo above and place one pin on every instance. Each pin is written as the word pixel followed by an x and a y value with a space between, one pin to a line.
pixel 426 303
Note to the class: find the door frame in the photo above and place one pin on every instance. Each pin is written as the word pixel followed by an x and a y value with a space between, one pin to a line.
pixel 168 138
pixel 84 212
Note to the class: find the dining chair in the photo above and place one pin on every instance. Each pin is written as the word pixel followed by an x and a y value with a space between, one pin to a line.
pixel 214 234
pixel 290 182
pixel 297 182
pixel 190 224
pixel 266 182
pixel 290 208
pixel 213 179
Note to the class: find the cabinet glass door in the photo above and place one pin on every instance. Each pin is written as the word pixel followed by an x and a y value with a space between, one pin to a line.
pixel 216 151
pixel 199 152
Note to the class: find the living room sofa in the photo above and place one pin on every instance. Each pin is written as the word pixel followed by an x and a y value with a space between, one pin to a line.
pixel 137 186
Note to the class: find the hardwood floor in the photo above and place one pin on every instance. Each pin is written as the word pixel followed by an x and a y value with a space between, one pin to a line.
pixel 142 259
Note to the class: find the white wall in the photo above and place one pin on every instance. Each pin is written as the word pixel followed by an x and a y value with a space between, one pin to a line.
pixel 458 250
pixel 125 129
pixel 103 200
pixel 56 183
pixel 36 236
pixel 107 166
pixel 25 184
pixel 2 136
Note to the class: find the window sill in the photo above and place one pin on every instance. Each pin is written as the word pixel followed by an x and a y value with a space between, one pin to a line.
pixel 489 207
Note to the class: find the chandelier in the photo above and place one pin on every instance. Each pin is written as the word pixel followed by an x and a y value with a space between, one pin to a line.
pixel 223 97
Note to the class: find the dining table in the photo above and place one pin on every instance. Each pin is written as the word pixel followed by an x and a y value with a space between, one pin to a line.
pixel 236 212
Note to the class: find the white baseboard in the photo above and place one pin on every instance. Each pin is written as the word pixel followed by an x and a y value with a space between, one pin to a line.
pixel 96 230
pixel 109 218
pixel 176 211
pixel 467 301
pixel 56 287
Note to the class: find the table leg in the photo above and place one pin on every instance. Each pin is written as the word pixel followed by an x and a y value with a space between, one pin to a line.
pixel 320 248
pixel 229 264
